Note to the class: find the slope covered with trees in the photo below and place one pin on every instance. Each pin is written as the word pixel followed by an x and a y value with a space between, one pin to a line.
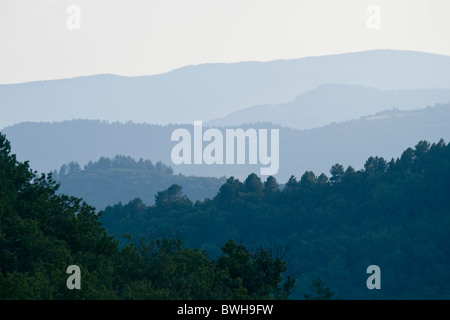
pixel 42 233
pixel 121 179
pixel 392 214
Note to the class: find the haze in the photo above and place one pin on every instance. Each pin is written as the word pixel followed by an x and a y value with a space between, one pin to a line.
pixel 150 37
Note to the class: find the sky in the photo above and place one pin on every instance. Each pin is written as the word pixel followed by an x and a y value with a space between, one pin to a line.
pixel 55 39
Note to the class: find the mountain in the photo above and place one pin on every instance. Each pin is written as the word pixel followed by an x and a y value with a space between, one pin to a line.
pixel 122 179
pixel 49 145
pixel 333 103
pixel 211 91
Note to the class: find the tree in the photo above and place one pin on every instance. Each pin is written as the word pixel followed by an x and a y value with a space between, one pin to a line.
pixel 271 189
pixel 74 168
pixel 337 172
pixel 260 274
pixel 162 168
pixel 422 148
pixel 319 291
pixel 308 179
pixel 322 179
pixel 42 233
pixel 229 193
pixel 253 184
pixel 291 184
pixel 172 198
pixel 406 160
pixel 375 165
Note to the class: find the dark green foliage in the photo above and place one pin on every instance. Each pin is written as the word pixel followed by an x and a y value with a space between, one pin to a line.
pixel 319 291
pixel 336 171
pixel 164 269
pixel 393 214
pixel 43 232
pixel 260 273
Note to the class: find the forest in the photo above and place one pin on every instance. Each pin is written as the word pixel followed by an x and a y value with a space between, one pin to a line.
pixel 122 178
pixel 394 214
pixel 312 237
pixel 43 232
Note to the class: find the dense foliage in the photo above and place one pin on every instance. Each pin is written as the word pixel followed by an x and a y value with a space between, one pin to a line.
pixel 43 232
pixel 392 214
pixel 121 179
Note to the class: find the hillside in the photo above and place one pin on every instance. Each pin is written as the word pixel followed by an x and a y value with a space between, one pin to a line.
pixel 49 145
pixel 53 247
pixel 333 103
pixel 393 214
pixel 121 179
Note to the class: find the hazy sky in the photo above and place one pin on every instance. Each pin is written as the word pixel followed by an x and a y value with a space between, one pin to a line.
pixel 40 39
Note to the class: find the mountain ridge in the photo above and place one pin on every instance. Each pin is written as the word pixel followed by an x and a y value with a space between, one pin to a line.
pixel 206 92
pixel 349 142
pixel 333 103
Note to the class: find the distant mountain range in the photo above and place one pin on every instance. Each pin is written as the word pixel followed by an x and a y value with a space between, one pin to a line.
pixel 334 103
pixel 212 91
pixel 49 145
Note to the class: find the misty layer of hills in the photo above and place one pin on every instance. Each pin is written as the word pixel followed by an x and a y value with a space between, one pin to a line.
pixel 343 110
pixel 122 179
pixel 211 91
pixel 333 103
pixel 49 145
